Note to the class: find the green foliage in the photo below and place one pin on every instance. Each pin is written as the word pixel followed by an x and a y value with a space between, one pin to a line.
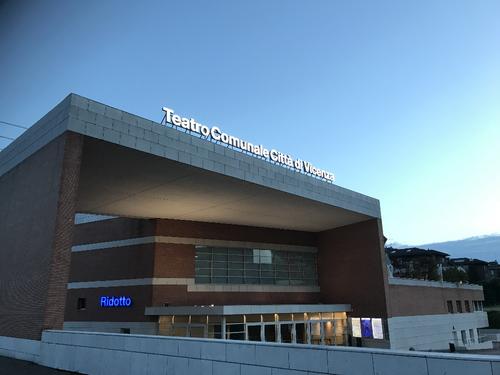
pixel 455 275
pixel 494 319
pixel 424 269
pixel 492 292
pixel 433 272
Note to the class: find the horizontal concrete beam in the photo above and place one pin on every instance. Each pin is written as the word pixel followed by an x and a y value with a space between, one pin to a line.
pixel 432 284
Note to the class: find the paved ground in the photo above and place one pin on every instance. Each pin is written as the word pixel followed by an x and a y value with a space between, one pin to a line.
pixel 9 366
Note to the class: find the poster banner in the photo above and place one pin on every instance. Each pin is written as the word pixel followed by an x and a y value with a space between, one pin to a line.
pixel 366 328
pixel 377 329
pixel 356 327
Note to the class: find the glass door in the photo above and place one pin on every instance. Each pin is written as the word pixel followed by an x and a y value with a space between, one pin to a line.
pixel 270 332
pixel 300 333
pixel 315 332
pixel 254 332
pixel 286 332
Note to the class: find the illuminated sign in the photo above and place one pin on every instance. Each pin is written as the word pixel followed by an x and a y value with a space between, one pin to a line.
pixel 217 134
pixel 112 301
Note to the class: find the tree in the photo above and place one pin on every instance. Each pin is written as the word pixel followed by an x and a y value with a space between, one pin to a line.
pixel 455 275
pixel 492 292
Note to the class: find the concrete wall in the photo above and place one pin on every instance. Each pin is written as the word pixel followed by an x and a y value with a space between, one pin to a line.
pixel 101 353
pixel 434 332
pixel 138 328
pixel 24 349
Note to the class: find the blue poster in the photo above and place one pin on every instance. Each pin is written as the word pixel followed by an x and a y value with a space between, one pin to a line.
pixel 366 328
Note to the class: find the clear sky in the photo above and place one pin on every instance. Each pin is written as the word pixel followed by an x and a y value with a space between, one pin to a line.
pixel 400 99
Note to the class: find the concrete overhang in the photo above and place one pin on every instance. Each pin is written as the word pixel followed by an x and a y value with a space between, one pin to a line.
pixel 246 309
pixel 134 167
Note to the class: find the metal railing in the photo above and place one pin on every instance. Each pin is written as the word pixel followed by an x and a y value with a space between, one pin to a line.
pixel 486 338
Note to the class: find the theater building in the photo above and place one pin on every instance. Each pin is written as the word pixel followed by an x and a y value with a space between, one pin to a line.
pixel 111 222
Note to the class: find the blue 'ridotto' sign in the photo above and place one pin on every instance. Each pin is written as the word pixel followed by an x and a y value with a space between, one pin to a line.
pixel 112 301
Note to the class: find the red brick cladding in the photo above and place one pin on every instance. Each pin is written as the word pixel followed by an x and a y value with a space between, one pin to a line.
pixel 177 295
pixel 174 260
pixel 126 262
pixel 36 216
pixel 351 268
pixel 123 228
pixel 162 260
pixel 229 232
pixel 415 300
pixel 112 230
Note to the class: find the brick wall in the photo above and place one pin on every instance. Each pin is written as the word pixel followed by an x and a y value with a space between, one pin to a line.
pixel 195 229
pixel 174 260
pixel 177 295
pixel 162 260
pixel 415 300
pixel 36 216
pixel 126 262
pixel 352 268
pixel 112 230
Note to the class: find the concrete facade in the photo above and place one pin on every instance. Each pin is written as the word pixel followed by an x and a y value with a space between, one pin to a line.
pixel 435 332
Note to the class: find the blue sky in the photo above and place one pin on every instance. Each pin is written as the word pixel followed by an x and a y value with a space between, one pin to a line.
pixel 401 100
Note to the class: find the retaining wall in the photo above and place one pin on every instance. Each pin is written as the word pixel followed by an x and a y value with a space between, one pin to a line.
pixel 105 353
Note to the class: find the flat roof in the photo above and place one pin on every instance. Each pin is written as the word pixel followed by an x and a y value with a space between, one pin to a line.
pixel 246 309
pixel 134 167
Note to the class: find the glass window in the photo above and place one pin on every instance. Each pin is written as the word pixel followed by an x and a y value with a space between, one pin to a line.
pixel 203 280
pixel 81 303
pixel 220 265
pixel 270 332
pixel 219 280
pixel 471 335
pixel 254 333
pixel 459 306
pixel 467 306
pixel 253 318
pixel 450 306
pixel 464 337
pixel 235 331
pixel 286 332
pixel 262 256
pixel 300 333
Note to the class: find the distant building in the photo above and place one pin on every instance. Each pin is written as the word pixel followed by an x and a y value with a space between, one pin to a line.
pixel 415 263
pixel 494 270
pixel 476 269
